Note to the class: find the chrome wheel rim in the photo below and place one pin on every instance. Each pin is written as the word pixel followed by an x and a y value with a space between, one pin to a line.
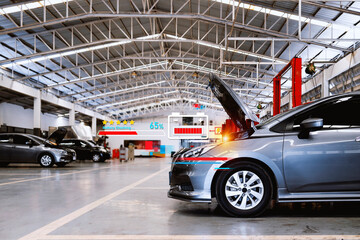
pixel 96 158
pixel 244 190
pixel 46 160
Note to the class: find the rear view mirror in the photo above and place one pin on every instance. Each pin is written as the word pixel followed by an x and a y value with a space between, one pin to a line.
pixel 308 125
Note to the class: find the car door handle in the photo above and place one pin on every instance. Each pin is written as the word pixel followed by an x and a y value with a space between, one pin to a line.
pixel 357 139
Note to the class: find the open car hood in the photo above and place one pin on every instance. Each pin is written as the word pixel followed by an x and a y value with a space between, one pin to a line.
pixel 233 105
pixel 57 136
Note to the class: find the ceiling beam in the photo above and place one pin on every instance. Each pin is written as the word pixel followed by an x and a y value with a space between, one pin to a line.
pixel 205 18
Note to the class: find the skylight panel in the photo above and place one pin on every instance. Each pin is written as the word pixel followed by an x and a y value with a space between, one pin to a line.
pixel 120 90
pixel 136 99
pixel 86 49
pixel 282 14
pixel 29 6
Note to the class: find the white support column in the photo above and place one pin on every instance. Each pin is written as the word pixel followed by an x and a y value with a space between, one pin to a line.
pixel 324 85
pixel 93 126
pixel 72 116
pixel 37 114
pixel 1 115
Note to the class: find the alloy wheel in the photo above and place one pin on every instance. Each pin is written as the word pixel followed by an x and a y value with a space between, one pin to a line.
pixel 96 157
pixel 244 190
pixel 46 160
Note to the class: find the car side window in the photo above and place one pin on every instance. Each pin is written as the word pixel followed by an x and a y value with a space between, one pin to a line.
pixel 5 139
pixel 340 113
pixel 18 139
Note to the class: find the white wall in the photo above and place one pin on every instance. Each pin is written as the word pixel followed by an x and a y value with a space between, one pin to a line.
pixel 16 116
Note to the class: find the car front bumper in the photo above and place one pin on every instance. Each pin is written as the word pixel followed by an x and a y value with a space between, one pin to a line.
pixel 191 182
pixel 67 158
pixel 189 196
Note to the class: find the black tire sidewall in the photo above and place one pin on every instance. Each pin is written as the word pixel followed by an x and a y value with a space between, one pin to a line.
pixel 52 160
pixel 225 204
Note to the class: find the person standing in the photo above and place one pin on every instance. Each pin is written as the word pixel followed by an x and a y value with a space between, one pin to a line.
pixel 131 152
pixel 122 153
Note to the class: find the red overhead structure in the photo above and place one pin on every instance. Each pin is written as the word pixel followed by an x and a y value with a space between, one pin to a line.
pixel 295 65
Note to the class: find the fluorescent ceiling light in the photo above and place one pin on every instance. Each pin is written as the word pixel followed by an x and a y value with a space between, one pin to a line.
pixel 199 84
pixel 108 73
pixel 282 14
pixel 184 91
pixel 31 5
pixel 119 91
pixel 136 99
pixel 201 69
pixel 86 49
pixel 146 106
pixel 221 47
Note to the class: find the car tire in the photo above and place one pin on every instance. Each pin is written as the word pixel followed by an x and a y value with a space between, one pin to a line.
pixel 248 199
pixel 61 164
pixel 46 160
pixel 4 164
pixel 96 157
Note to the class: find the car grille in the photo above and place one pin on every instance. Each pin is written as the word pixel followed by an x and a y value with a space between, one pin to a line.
pixel 186 187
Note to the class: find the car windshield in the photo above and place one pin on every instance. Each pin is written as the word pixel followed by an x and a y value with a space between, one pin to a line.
pixel 42 140
pixel 91 144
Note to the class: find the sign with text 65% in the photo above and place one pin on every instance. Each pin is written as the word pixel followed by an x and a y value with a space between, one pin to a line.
pixel 156 125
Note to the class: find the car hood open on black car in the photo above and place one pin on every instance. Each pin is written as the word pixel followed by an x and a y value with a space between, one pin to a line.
pixel 57 136
pixel 233 105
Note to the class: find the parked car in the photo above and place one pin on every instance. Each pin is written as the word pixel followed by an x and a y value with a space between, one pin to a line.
pixel 309 154
pixel 26 148
pixel 86 150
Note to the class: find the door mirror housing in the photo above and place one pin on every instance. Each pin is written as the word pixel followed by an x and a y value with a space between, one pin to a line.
pixel 308 125
pixel 30 143
pixel 312 124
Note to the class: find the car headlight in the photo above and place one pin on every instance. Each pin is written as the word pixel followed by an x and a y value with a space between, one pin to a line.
pixel 63 152
pixel 198 151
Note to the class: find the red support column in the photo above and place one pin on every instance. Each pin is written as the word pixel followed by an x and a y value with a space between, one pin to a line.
pixel 296 81
pixel 276 95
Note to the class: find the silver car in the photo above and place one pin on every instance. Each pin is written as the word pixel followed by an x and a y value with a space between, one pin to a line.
pixel 308 154
pixel 26 148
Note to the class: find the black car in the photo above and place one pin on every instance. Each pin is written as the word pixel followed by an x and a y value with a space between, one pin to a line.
pixel 86 150
pixel 26 148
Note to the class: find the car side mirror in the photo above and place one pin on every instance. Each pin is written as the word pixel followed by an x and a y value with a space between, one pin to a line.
pixel 30 143
pixel 308 125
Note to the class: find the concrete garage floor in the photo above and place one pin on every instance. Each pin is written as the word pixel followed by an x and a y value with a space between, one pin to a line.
pixel 115 200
